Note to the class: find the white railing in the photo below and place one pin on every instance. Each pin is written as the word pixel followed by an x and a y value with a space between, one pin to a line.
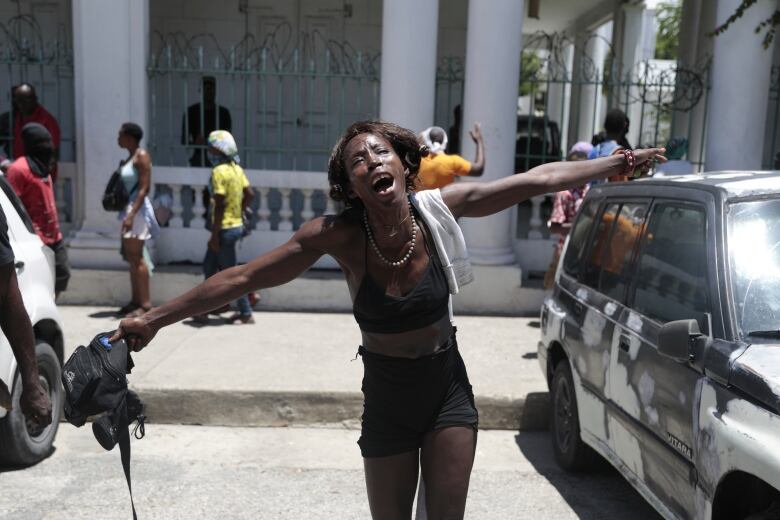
pixel 533 243
pixel 283 200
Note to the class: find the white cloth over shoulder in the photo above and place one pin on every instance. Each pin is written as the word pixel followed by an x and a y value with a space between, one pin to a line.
pixel 447 236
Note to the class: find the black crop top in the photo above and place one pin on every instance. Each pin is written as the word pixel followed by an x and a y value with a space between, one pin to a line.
pixel 428 302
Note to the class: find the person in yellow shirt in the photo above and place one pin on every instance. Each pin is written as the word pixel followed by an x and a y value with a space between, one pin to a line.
pixel 230 195
pixel 440 169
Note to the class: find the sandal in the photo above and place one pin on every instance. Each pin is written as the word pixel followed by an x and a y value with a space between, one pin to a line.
pixel 130 307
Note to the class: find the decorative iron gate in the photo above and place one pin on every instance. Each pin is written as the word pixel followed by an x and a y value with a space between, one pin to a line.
pixel 568 91
pixel 26 56
pixel 287 105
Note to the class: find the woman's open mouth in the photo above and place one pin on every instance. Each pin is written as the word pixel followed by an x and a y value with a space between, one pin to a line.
pixel 383 184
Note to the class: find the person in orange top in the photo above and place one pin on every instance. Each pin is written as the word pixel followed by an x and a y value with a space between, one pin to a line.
pixel 439 169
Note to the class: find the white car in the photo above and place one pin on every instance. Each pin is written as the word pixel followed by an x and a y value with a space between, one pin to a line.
pixel 34 262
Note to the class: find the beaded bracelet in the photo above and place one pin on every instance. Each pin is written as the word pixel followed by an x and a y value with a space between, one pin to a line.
pixel 630 161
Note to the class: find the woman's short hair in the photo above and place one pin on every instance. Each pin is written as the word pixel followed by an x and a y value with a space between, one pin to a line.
pixel 405 143
pixel 133 130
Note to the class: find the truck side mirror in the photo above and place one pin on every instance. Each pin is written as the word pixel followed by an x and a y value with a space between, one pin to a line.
pixel 675 339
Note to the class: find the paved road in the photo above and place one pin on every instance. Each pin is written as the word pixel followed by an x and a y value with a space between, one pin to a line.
pixel 184 472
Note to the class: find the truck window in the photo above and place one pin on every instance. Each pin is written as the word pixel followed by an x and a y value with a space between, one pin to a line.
pixel 671 280
pixel 578 238
pixel 599 246
pixel 616 264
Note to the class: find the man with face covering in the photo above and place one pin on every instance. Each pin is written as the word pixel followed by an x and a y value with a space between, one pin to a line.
pixel 30 176
pixel 27 109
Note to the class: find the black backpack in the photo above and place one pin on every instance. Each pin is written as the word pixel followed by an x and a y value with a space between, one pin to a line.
pixel 95 383
pixel 116 196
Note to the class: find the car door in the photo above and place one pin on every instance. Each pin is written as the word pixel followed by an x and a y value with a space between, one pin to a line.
pixel 7 360
pixel 594 304
pixel 29 254
pixel 652 396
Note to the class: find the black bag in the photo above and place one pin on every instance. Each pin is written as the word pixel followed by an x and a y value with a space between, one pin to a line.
pixel 95 383
pixel 116 196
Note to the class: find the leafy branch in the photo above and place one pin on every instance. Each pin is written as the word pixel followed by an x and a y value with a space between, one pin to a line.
pixel 769 24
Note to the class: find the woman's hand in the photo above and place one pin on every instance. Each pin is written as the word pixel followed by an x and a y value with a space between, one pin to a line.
pixel 137 332
pixel 127 223
pixel 214 243
pixel 648 156
pixel 476 133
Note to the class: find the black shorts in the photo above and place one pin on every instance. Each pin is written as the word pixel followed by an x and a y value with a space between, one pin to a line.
pixel 406 398
pixel 61 266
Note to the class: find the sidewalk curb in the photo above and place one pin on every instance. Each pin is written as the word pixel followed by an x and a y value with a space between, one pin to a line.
pixel 270 409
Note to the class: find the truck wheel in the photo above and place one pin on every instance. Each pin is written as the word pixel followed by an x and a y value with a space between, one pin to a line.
pixel 19 444
pixel 570 452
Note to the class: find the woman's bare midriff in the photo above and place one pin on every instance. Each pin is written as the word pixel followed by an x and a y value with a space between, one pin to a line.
pixel 412 344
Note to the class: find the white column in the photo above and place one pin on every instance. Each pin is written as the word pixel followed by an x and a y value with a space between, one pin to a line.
pixel 559 95
pixel 110 44
pixel 696 143
pixel 686 58
pixel 740 90
pixel 590 93
pixel 772 132
pixel 493 45
pixel 638 46
pixel 408 87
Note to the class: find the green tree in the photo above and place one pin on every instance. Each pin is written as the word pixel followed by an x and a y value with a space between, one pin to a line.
pixel 767 25
pixel 530 65
pixel 668 16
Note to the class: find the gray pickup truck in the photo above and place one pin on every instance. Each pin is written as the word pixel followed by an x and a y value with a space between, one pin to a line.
pixel 661 342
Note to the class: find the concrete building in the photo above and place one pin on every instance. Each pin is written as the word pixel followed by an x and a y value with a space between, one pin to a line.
pixel 294 74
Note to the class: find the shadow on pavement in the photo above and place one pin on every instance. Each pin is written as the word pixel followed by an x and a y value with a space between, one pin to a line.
pixel 10 468
pixel 105 314
pixel 601 494
pixel 534 324
pixel 212 321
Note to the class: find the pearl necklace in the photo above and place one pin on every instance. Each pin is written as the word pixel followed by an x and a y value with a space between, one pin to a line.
pixel 408 254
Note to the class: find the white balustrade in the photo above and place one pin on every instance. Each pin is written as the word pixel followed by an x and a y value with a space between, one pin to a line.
pixel 307 213
pixel 535 224
pixel 285 212
pixel 263 210
pixel 184 240
pixel 197 221
pixel 330 204
pixel 177 208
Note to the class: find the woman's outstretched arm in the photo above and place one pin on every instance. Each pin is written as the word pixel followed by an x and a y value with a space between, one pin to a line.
pixel 276 267
pixel 478 199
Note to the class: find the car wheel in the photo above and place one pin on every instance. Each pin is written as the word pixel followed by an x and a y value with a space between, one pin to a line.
pixel 20 444
pixel 570 452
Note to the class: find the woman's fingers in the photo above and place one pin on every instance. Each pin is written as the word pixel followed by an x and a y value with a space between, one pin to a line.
pixel 118 333
pixel 135 335
pixel 646 154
